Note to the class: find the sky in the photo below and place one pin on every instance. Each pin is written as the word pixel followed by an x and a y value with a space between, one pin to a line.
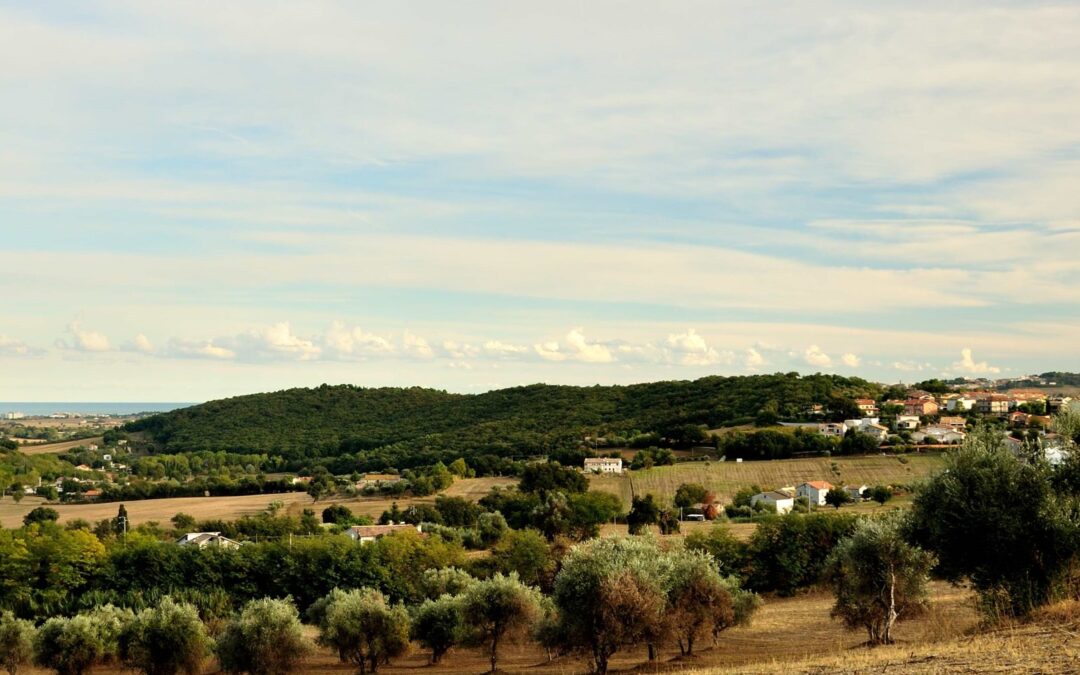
pixel 205 199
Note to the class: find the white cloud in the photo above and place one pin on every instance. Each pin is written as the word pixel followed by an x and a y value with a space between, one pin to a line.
pixel 691 349
pixel 851 360
pixel 140 343
pixel 589 352
pixel 459 350
pixel 817 358
pixel 754 359
pixel 185 348
pixel 414 345
pixel 87 340
pixel 276 341
pixel 343 342
pixel 967 364
pixel 550 351
pixel 11 347
pixel 496 347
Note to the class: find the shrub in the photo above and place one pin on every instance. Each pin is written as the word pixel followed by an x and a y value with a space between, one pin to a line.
pixel 265 639
pixel 16 642
pixel 165 640
pixel 69 646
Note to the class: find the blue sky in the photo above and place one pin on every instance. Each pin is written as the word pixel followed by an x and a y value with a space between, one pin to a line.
pixel 199 199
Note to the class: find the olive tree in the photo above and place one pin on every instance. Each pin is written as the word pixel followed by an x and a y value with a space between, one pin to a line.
pixel 16 642
pixel 363 627
pixel 496 610
pixel 610 594
pixel 165 640
pixel 878 578
pixel 265 639
pixel 437 582
pixel 998 521
pixel 437 625
pixel 69 646
pixel 699 602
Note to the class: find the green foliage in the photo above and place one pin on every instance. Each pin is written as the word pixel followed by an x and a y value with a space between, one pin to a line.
pixel 625 591
pixel 363 628
pixel 837 497
pixel 725 548
pixel 41 514
pixel 16 642
pixel 497 610
pixel 437 625
pixel 789 553
pixel 70 646
pixel 525 553
pixel 165 640
pixel 644 511
pixel 688 494
pixel 544 477
pixel 265 639
pixel 999 522
pixel 878 578
pixel 881 493
pixel 338 514
pixel 376 428
pixel 436 583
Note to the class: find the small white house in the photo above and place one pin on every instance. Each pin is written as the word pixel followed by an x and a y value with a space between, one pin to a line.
pixel 783 503
pixel 879 432
pixel 603 464
pixel 963 404
pixel 368 533
pixel 909 422
pixel 204 539
pixel 855 492
pixel 832 429
pixel 938 435
pixel 815 490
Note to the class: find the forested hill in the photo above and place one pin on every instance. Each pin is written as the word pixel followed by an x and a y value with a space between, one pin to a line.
pixel 408 427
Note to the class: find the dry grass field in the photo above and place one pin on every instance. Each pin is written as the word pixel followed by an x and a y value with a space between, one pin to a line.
pixel 230 508
pixel 788 634
pixel 724 479
pixel 60 446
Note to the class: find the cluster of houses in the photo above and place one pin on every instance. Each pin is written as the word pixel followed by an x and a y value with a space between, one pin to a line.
pixel 940 419
pixel 814 491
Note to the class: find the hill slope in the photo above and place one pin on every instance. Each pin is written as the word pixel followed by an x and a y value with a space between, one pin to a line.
pixel 409 427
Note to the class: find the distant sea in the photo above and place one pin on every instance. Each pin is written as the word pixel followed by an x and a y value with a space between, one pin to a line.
pixel 38 408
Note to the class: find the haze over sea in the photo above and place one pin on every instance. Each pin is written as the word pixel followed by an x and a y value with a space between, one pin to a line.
pixel 39 408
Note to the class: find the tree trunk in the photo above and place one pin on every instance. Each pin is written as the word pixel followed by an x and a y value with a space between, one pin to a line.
pixel 689 645
pixel 652 652
pixel 891 618
pixel 494 654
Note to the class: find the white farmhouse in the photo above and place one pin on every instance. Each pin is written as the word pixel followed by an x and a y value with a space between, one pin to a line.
pixel 783 503
pixel 603 464
pixel 909 422
pixel 204 539
pixel 815 490
pixel 368 533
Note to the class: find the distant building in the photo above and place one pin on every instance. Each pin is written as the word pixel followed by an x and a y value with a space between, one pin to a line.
pixel 814 490
pixel 867 406
pixel 368 533
pixel 919 407
pixel 994 404
pixel 855 492
pixel 782 502
pixel 908 422
pixel 603 464
pixel 961 403
pixel 204 539
pixel 835 429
